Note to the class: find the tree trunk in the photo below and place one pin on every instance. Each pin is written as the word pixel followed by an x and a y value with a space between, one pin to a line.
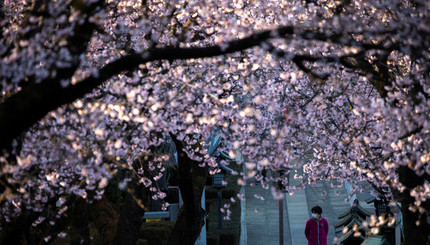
pixel 80 231
pixel 14 232
pixel 192 179
pixel 131 215
pixel 415 226
pixel 105 219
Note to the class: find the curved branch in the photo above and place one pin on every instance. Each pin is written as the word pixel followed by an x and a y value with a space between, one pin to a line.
pixel 32 103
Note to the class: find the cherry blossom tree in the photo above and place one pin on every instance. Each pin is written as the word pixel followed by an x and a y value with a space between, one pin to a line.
pixel 89 88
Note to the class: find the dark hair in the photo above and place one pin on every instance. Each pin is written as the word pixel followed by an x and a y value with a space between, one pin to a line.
pixel 316 209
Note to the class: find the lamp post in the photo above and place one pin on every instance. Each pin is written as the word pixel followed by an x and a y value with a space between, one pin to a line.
pixel 281 220
pixel 281 187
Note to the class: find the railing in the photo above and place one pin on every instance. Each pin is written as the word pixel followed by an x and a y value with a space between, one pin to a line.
pixel 171 214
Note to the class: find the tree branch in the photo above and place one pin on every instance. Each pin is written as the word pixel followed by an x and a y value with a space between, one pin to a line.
pixel 32 103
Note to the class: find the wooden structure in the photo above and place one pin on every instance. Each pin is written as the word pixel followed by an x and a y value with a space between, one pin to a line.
pixel 375 240
pixel 352 219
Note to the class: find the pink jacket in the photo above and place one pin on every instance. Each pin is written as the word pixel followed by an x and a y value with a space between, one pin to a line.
pixel 316 231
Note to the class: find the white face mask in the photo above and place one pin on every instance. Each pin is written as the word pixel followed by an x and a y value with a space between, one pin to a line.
pixel 314 216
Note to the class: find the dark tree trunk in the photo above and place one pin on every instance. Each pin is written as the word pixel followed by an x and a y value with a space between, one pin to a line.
pixel 105 219
pixel 80 232
pixel 15 232
pixel 192 179
pixel 29 237
pixel 131 215
pixel 414 233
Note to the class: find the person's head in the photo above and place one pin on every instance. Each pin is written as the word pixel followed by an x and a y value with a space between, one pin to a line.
pixel 316 212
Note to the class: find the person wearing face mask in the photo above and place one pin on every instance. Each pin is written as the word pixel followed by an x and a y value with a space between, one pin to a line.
pixel 316 228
